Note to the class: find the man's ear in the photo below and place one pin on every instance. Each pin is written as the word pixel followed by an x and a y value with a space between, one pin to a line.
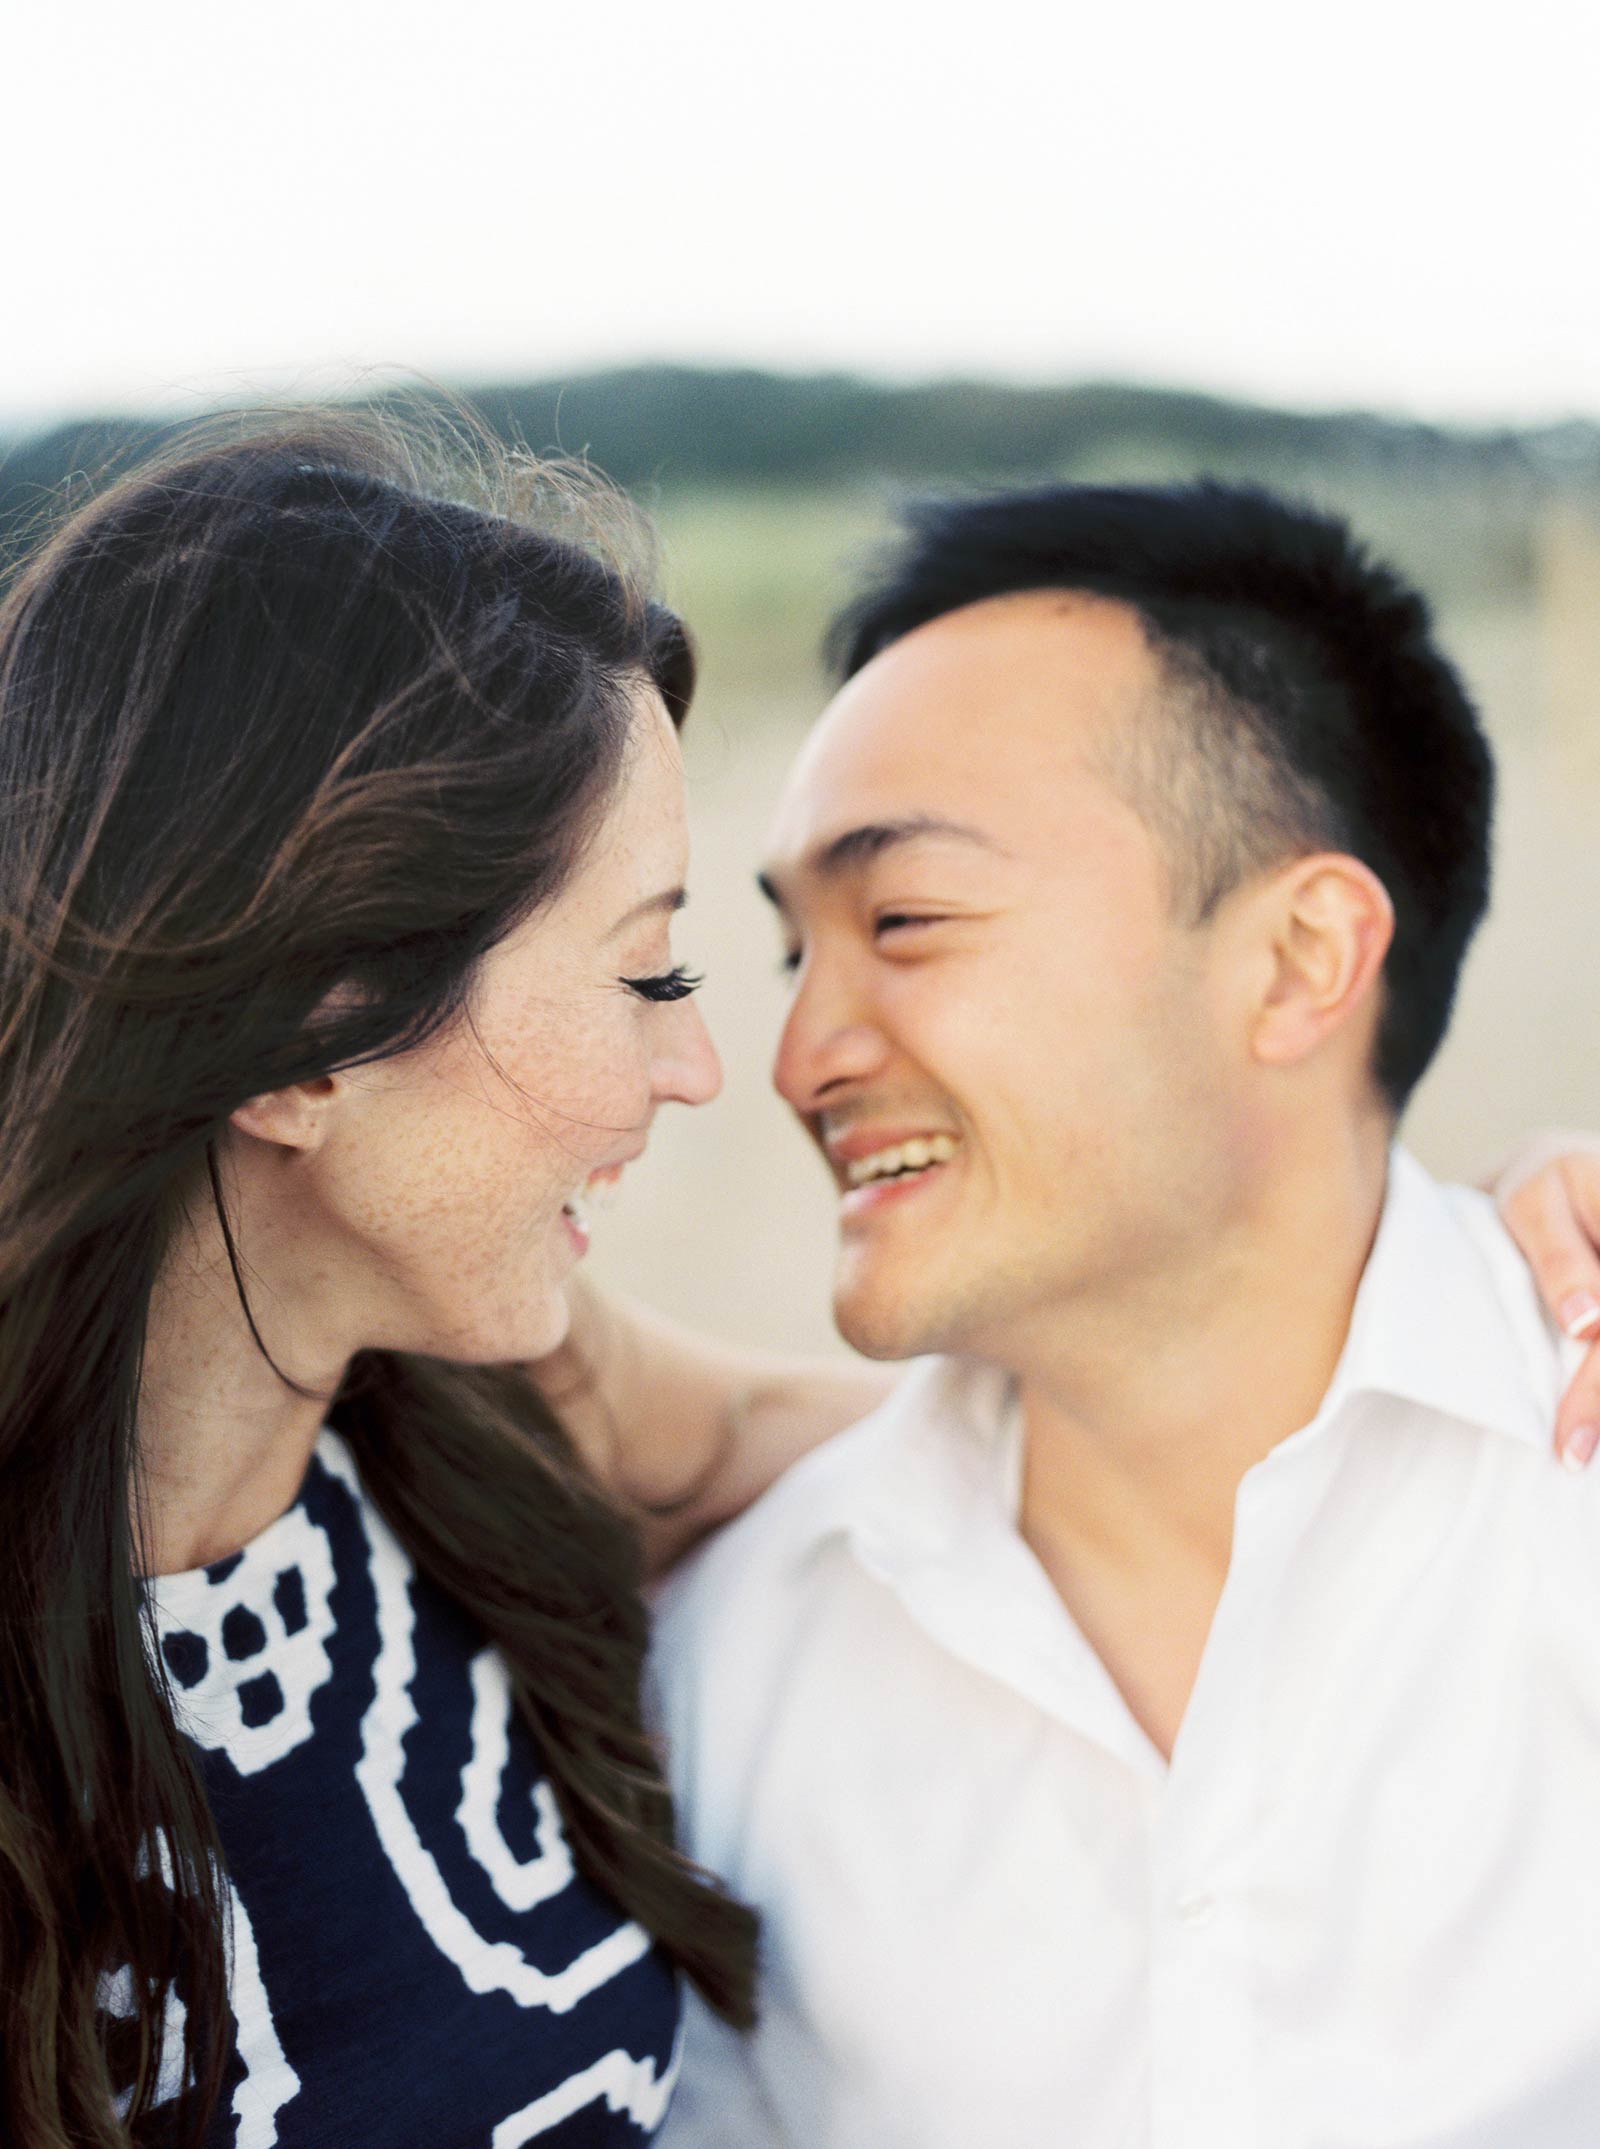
pixel 1331 924
pixel 295 1118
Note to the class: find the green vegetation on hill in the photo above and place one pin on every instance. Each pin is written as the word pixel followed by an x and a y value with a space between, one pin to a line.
pixel 769 487
pixel 674 426
pixel 687 428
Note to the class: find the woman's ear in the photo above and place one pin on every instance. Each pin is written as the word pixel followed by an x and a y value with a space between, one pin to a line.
pixel 294 1118
pixel 1331 924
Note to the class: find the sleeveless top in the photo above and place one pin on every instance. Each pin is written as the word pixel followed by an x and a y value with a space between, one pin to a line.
pixel 415 1962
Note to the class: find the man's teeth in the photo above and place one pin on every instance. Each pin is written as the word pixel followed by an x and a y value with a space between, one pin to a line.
pixel 913 1156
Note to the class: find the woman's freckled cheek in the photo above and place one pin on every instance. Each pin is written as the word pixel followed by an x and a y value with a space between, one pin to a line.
pixel 446 1187
pixel 572 1080
pixel 475 1157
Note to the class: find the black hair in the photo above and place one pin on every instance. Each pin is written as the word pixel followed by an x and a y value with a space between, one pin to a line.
pixel 1308 703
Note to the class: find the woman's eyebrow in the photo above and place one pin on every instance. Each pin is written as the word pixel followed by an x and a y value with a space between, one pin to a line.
pixel 666 904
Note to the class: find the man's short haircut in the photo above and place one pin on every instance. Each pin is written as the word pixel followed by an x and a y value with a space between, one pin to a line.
pixel 1307 706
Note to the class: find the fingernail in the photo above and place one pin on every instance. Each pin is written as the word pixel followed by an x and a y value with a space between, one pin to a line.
pixel 1581 1444
pixel 1579 1315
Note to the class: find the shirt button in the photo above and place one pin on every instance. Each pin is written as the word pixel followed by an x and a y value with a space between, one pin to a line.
pixel 1197 1909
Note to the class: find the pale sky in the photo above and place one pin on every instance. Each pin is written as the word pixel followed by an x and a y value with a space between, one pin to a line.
pixel 1385 204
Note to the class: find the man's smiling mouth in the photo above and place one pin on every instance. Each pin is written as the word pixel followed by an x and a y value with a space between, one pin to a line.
pixel 900 1159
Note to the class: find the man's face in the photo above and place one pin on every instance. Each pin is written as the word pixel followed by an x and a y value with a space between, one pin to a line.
pixel 1024 1069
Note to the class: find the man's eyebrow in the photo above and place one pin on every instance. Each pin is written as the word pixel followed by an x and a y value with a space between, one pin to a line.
pixel 856 847
pixel 666 904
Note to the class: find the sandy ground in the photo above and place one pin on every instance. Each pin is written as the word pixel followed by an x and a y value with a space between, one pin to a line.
pixel 727 1223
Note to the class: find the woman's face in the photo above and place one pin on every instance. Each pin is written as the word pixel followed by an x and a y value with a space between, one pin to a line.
pixel 441 1192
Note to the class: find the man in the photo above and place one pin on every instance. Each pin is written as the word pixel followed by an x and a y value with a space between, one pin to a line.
pixel 1174 1716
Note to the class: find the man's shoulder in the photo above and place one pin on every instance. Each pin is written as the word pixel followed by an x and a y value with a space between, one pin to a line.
pixel 756 1631
pixel 742 1597
pixel 1449 1313
pixel 1527 1323
pixel 768 1551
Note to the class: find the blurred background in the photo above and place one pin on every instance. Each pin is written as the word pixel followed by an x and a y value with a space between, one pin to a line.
pixel 772 272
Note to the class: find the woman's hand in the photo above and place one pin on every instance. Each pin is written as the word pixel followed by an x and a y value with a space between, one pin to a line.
pixel 1549 1196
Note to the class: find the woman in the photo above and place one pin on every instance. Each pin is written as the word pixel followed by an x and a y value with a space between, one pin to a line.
pixel 344 832
pixel 343 835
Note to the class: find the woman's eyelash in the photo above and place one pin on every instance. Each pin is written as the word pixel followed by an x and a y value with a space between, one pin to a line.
pixel 670 985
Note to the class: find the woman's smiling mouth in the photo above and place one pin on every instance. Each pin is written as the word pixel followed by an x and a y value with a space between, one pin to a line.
pixel 598 1191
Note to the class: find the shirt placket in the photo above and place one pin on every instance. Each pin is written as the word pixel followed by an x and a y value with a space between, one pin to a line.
pixel 1201 2034
pixel 1205 2072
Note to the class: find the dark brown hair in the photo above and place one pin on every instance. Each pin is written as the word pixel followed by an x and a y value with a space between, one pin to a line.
pixel 283 711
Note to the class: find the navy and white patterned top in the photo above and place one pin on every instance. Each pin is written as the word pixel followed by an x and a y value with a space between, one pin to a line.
pixel 415 1962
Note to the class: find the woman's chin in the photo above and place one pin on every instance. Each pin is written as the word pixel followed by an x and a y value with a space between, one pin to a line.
pixel 531 1327
pixel 549 1333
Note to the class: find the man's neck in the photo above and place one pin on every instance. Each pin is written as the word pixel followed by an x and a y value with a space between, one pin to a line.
pixel 1141 1419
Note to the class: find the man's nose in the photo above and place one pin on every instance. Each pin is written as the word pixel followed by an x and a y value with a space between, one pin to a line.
pixel 828 1043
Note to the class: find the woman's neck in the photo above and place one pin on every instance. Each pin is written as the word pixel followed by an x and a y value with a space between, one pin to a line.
pixel 224 1439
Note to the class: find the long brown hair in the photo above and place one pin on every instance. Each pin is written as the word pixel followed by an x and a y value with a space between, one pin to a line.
pixel 281 711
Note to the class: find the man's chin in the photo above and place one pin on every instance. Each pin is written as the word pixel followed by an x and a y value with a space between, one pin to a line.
pixel 881 1324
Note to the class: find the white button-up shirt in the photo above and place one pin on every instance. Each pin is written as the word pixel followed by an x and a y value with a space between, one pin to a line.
pixel 1360 1909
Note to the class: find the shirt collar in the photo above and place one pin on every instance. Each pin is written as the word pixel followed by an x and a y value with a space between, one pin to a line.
pixel 1446 1318
pixel 942 1461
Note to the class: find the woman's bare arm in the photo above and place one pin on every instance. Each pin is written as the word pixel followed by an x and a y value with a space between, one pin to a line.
pixel 684 1430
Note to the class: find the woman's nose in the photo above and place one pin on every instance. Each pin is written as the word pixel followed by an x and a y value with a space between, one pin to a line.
pixel 688 1071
